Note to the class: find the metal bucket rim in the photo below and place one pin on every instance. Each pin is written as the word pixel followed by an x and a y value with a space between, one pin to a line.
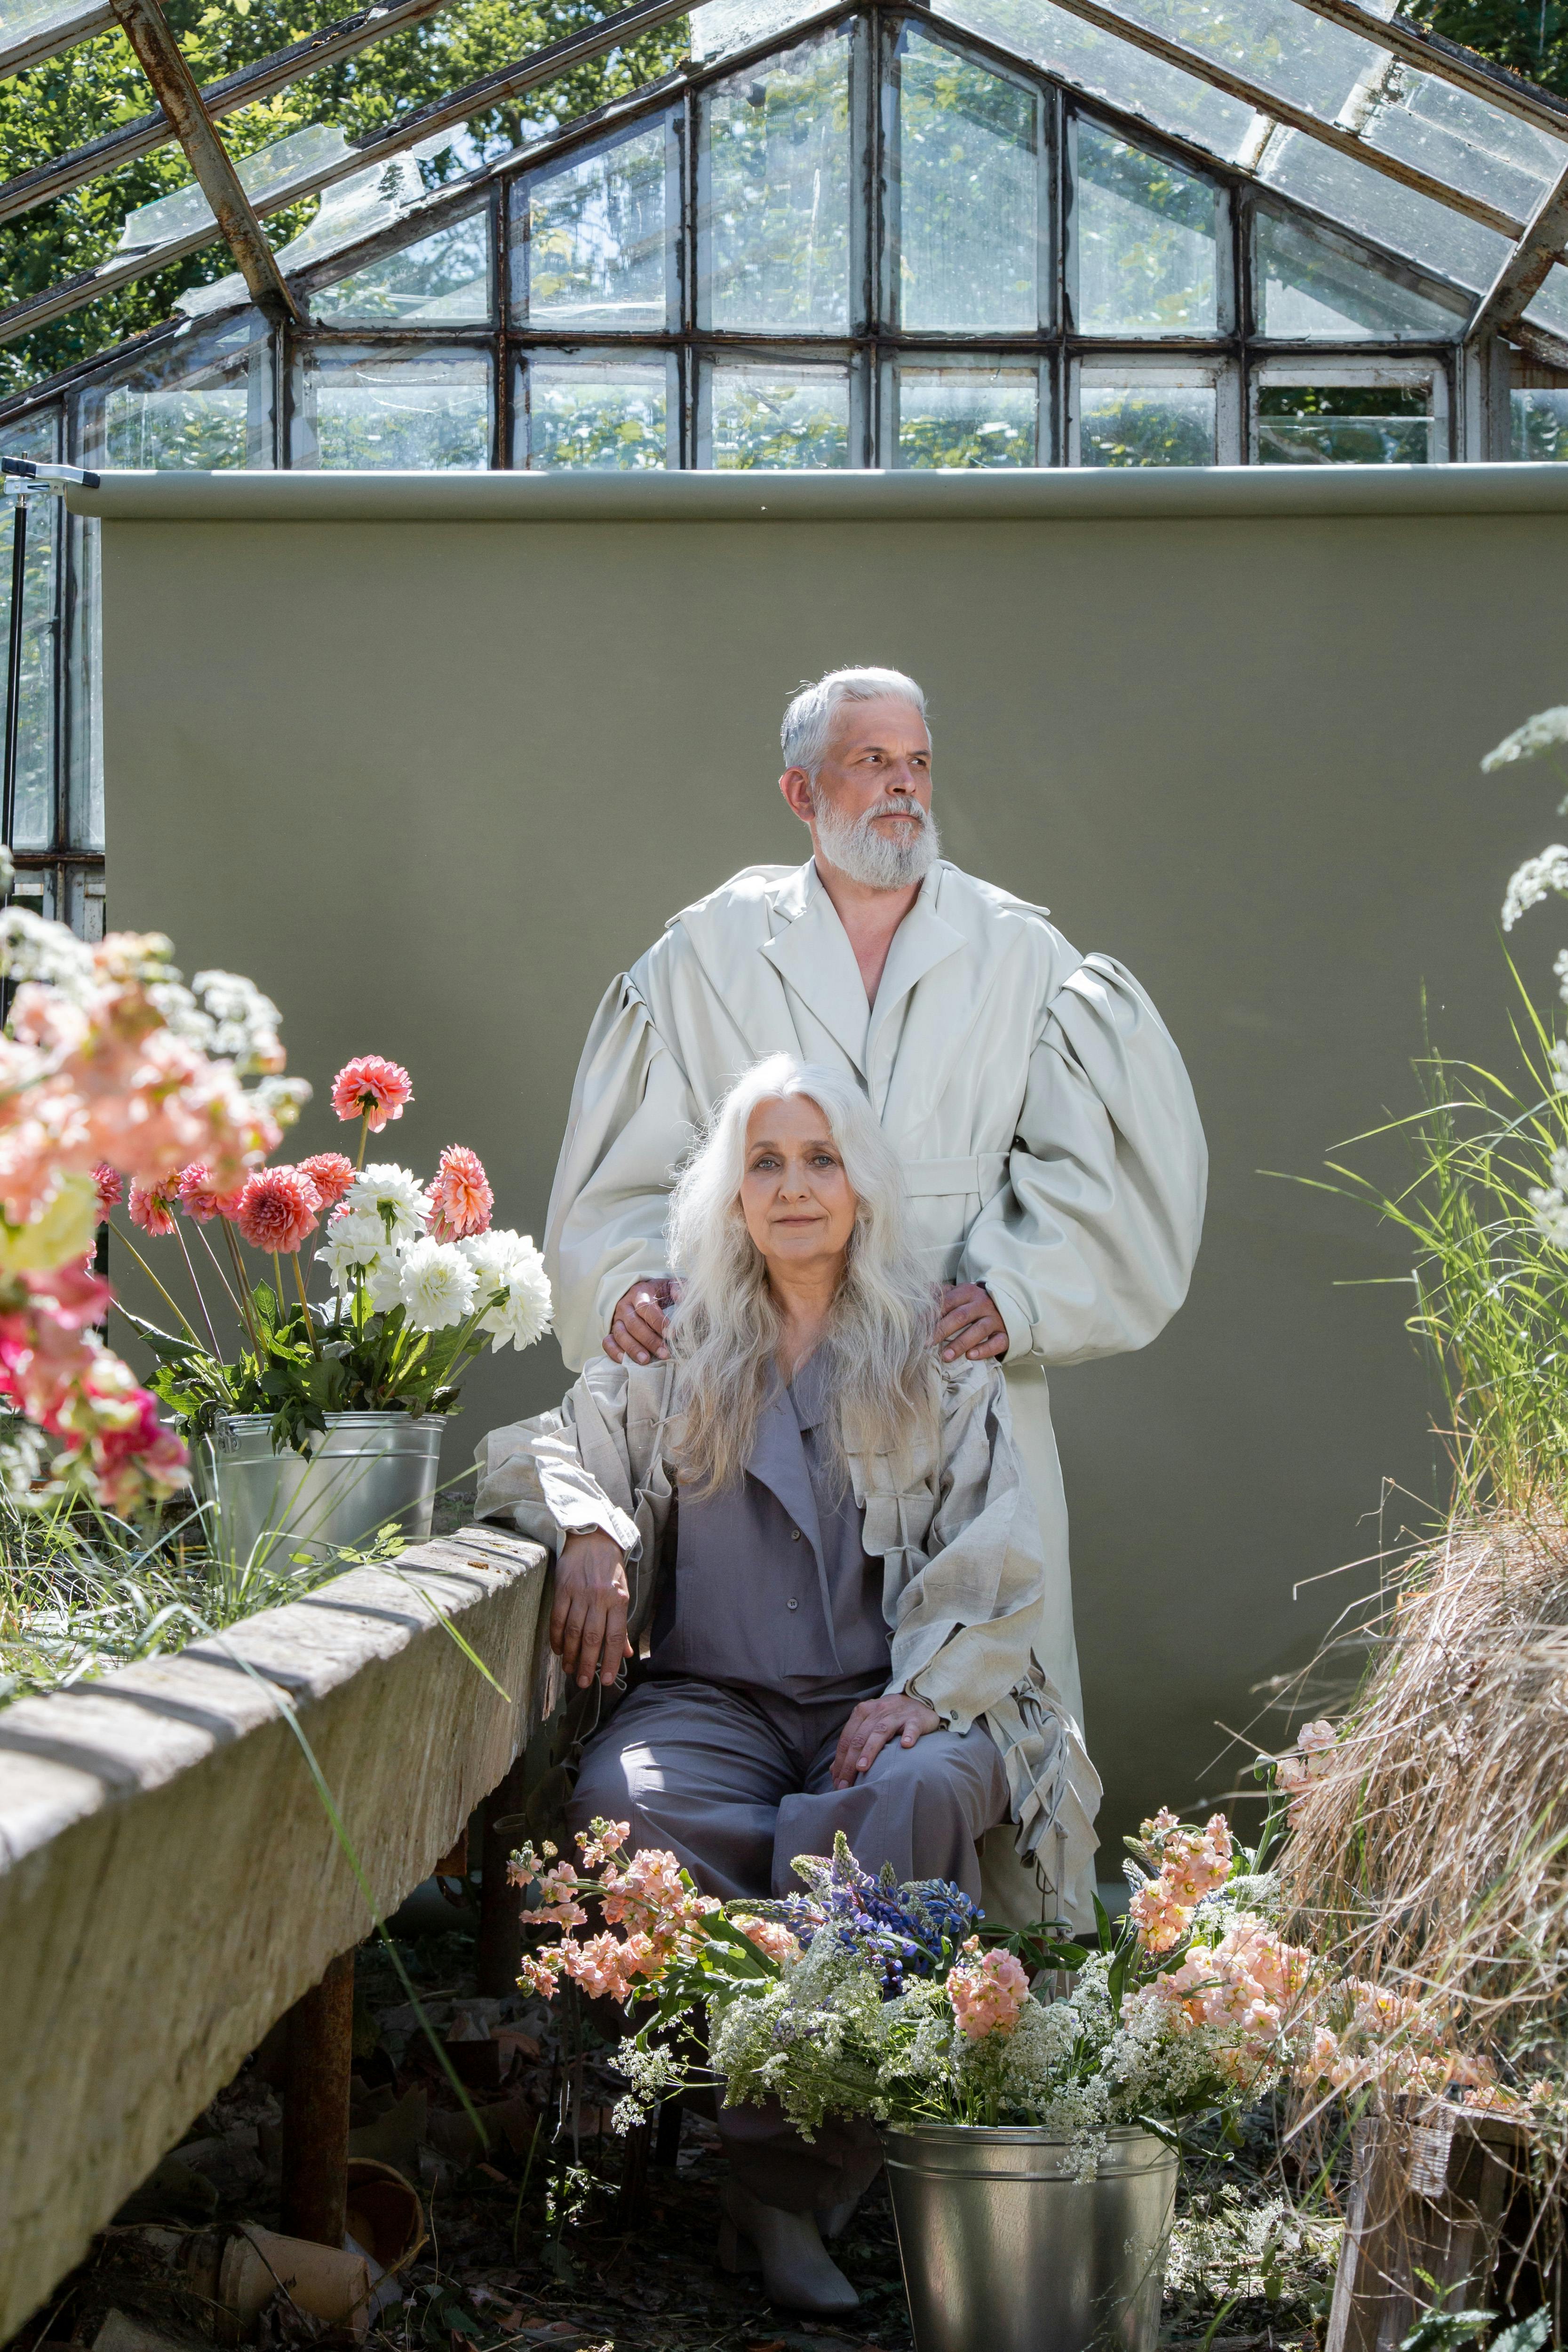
pixel 246 1421
pixel 1030 2134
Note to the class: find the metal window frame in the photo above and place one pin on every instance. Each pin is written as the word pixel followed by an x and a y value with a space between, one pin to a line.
pixel 1336 370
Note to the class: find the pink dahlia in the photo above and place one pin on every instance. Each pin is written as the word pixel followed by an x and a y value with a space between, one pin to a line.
pixel 198 1199
pixel 111 1186
pixel 151 1206
pixel 371 1088
pixel 277 1209
pixel 460 1199
pixel 331 1174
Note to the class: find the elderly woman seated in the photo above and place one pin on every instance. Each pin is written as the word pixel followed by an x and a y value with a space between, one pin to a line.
pixel 813 1541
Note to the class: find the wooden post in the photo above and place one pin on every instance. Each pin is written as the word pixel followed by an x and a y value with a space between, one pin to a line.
pixel 501 1903
pixel 1423 2196
pixel 316 2107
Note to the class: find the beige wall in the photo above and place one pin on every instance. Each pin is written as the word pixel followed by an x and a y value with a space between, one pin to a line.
pixel 432 780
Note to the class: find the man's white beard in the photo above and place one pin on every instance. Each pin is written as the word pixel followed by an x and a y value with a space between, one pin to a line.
pixel 873 859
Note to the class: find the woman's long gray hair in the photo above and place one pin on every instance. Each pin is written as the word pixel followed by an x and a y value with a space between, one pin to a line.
pixel 726 1331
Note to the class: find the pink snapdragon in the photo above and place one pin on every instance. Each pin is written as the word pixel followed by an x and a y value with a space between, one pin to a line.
pixel 1193 1864
pixel 770 1936
pixel 987 1991
pixel 461 1200
pixel 109 1185
pixel 371 1088
pixel 649 1896
pixel 1244 1989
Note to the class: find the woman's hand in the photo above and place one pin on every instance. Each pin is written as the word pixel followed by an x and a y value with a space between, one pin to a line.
pixel 588 1622
pixel 875 1722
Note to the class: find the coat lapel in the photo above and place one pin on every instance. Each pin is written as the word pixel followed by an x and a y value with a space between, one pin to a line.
pixel 812 952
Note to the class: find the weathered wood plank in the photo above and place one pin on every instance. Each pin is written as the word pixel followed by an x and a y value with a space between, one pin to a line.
pixel 169 1881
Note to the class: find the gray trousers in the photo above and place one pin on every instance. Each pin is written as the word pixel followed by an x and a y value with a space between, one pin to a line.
pixel 736 1783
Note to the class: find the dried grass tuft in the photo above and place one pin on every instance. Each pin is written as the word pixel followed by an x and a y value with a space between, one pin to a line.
pixel 1434 1856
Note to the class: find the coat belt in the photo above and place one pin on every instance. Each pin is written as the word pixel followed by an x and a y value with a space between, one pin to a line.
pixel 985 1175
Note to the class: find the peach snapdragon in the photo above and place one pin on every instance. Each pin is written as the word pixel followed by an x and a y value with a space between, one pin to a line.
pixel 987 1990
pixel 1193 1864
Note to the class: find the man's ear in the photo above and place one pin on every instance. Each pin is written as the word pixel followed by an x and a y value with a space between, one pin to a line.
pixel 796 786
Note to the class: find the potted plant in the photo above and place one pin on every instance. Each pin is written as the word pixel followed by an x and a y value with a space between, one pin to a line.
pixel 323 1423
pixel 1029 2089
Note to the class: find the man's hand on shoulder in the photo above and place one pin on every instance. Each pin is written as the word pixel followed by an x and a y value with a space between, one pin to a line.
pixel 636 1332
pixel 588 1621
pixel 970 1325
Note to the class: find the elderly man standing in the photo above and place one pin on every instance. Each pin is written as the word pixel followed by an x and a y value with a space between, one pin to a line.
pixel 1049 1137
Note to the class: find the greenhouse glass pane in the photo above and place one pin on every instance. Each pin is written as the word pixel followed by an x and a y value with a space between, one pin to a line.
pixel 204 401
pixel 966 197
pixel 590 239
pixel 768 416
pixel 967 417
pixel 774 213
pixel 261 173
pixel 364 408
pixel 38 438
pixel 1144 241
pixel 1392 216
pixel 605 415
pixel 1285 48
pixel 1460 139
pixel 1344 424
pixel 1309 285
pixel 443 278
pixel 1540 425
pixel 1550 306
pixel 1109 68
pixel 1146 423
pixel 721 27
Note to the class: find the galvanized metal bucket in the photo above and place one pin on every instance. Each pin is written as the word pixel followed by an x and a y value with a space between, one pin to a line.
pixel 367 1469
pixel 1004 2251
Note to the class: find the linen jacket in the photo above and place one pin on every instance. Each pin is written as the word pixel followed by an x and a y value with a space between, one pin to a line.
pixel 1050 1144
pixel 951 1517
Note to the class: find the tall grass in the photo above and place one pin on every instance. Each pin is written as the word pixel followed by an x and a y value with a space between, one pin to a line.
pixel 1485 1210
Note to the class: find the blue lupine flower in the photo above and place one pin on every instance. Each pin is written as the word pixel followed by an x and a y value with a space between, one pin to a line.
pixel 909 1930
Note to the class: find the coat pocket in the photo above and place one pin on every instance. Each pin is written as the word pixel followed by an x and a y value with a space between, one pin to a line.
pixel 899 1521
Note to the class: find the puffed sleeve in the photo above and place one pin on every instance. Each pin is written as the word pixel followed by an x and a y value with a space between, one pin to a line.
pixel 538 1476
pixel 1089 1247
pixel 632 1115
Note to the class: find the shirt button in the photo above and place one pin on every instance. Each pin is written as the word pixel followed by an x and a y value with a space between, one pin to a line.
pixel 794 1535
pixel 791 1604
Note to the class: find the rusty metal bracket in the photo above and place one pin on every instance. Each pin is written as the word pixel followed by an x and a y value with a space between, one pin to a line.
pixel 163 61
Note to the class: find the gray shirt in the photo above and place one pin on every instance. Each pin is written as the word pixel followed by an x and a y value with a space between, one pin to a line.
pixel 773 1587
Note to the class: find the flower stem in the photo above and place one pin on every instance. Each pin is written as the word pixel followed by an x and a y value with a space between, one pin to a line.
pixel 201 1301
pixel 309 1327
pixel 364 1135
pixel 244 1290
pixel 158 1287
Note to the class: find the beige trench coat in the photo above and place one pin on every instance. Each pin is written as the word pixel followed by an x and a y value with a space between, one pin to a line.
pixel 953 1521
pixel 1050 1144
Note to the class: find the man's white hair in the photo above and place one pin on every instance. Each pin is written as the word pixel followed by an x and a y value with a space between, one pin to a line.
pixel 808 715
pixel 726 1331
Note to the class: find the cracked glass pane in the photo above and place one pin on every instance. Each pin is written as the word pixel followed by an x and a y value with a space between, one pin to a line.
pixel 594 411
pixel 967 416
pixel 590 239
pixel 203 400
pixel 1344 425
pixel 773 218
pixel 1144 243
pixel 187 210
pixel 1110 69
pixel 1444 242
pixel 1458 137
pixel 965 194
pixel 446 276
pixel 419 410
pixel 774 415
pixel 1311 284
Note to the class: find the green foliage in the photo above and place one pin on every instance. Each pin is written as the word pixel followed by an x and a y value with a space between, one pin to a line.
pixel 96 86
pixel 1529 36
pixel 305 1363
pixel 1490 1283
